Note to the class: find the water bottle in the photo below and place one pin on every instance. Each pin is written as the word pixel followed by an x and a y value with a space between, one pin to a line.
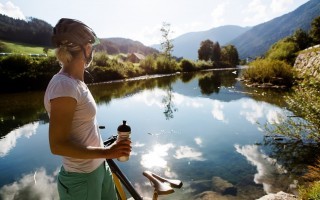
pixel 124 132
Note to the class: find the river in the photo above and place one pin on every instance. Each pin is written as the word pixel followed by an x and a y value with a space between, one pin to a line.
pixel 204 128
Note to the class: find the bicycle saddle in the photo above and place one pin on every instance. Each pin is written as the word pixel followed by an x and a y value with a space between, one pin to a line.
pixel 162 185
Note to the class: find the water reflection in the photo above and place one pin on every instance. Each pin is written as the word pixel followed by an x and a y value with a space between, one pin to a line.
pixel 36 185
pixel 217 111
pixel 253 111
pixel 184 126
pixel 157 156
pixel 9 141
pixel 189 153
pixel 270 174
pixel 169 106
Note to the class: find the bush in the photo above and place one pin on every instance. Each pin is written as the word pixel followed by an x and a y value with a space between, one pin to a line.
pixel 310 192
pixel 269 71
pixel 187 65
pixel 201 64
pixel 100 59
pixel 166 66
pixel 148 65
pixel 283 50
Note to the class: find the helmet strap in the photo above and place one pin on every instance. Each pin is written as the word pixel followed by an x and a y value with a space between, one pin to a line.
pixel 87 59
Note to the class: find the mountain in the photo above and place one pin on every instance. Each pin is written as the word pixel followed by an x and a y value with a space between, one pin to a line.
pixel 256 41
pixel 123 45
pixel 38 33
pixel 33 31
pixel 187 45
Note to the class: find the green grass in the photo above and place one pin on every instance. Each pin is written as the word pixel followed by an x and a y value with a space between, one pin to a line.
pixel 311 192
pixel 19 48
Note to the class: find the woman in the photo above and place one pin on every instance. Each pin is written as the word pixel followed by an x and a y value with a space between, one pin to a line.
pixel 73 130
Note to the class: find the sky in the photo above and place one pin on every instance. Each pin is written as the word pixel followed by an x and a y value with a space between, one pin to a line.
pixel 142 20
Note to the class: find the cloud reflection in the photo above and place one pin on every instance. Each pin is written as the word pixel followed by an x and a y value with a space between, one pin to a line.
pixel 154 97
pixel 253 111
pixel 217 111
pixel 198 141
pixel 37 185
pixel 188 152
pixel 270 174
pixel 155 158
pixel 10 140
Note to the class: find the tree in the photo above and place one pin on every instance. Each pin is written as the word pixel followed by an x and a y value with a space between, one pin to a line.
pixel 166 43
pixel 229 55
pixel 301 38
pixel 216 53
pixel 284 49
pixel 206 50
pixel 315 30
pixel 45 50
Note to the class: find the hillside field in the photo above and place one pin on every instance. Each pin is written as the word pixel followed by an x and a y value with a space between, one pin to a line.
pixel 19 48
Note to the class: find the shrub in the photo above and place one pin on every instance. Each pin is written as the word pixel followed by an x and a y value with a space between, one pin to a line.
pixel 148 64
pixel 283 50
pixel 310 192
pixel 201 64
pixel 187 65
pixel 165 65
pixel 269 71
pixel 100 59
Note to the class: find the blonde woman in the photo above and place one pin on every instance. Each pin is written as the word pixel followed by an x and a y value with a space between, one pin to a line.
pixel 73 130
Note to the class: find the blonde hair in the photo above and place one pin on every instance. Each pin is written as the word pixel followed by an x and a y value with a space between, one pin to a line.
pixel 65 54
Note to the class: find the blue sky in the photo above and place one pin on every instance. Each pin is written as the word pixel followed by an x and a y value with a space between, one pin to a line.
pixel 142 19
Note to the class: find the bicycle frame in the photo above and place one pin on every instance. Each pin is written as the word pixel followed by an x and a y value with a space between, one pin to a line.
pixel 118 175
pixel 159 183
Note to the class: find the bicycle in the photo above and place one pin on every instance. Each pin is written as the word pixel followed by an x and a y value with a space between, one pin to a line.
pixel 161 185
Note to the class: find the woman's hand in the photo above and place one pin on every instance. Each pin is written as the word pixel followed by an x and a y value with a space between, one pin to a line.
pixel 118 149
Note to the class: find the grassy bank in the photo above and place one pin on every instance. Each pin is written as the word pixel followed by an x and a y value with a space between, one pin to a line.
pixel 23 72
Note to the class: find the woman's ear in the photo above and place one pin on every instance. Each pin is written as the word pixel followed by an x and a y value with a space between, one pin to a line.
pixel 88 50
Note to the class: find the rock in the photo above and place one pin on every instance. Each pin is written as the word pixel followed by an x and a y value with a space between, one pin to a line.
pixel 279 196
pixel 223 187
pixel 308 62
pixel 201 185
pixel 209 195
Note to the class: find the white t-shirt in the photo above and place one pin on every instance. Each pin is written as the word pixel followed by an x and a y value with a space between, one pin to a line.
pixel 84 128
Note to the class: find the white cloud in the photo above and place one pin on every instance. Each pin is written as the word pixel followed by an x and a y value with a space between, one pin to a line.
pixel 10 140
pixel 188 152
pixel 36 185
pixel 256 12
pixel 138 144
pixel 270 174
pixel 217 111
pixel 198 141
pixel 149 35
pixel 156 157
pixel 253 111
pixel 218 14
pixel 280 6
pixel 11 10
pixel 275 116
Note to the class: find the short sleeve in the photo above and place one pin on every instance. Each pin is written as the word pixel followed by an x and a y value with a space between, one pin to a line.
pixel 64 87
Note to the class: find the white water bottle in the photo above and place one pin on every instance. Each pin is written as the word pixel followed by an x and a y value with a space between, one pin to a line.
pixel 124 132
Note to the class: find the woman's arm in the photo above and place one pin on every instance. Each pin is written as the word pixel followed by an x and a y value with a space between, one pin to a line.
pixel 61 115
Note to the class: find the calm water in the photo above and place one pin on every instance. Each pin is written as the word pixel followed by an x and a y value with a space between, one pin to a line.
pixel 201 128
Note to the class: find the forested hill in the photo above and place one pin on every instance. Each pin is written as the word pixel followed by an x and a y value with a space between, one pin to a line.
pixel 38 33
pixel 34 31
pixel 123 45
pixel 258 39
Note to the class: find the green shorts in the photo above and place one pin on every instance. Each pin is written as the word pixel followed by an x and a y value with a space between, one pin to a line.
pixel 95 185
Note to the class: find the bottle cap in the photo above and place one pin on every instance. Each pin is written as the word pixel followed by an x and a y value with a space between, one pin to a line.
pixel 123 127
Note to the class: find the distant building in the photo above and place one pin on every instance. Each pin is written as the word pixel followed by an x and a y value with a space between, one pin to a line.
pixel 135 57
